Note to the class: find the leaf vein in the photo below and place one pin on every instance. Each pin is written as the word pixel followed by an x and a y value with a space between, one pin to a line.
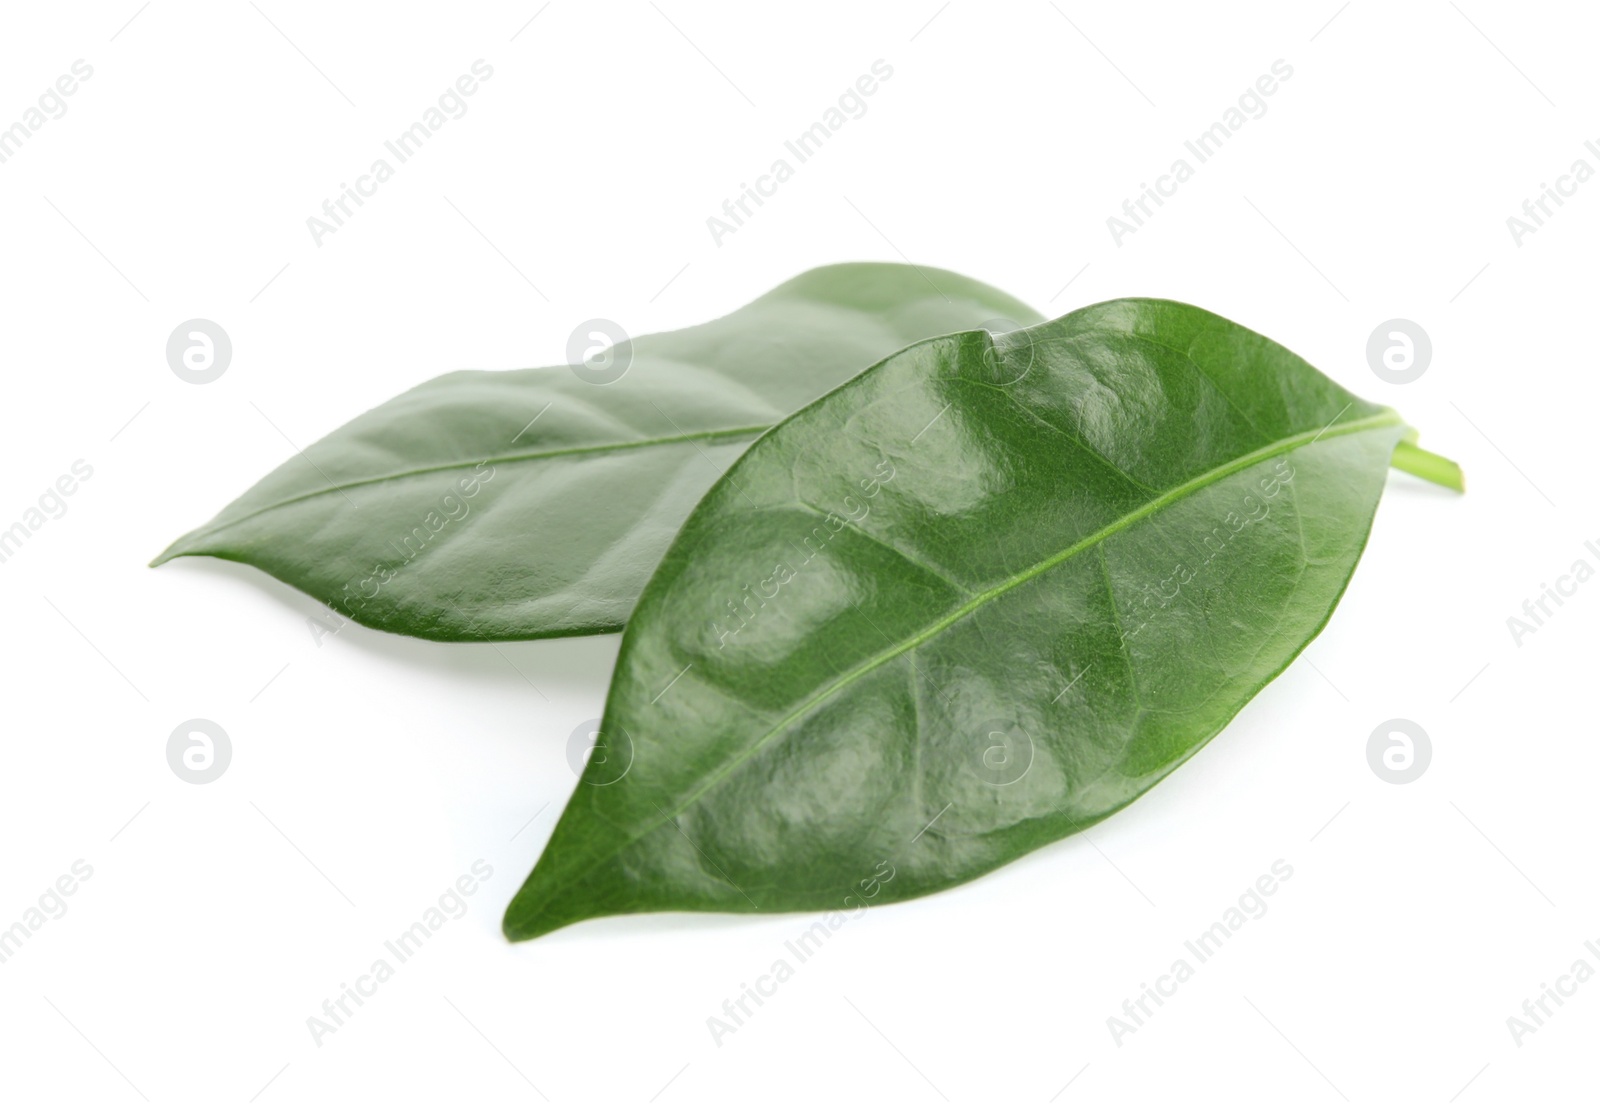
pixel 1384 418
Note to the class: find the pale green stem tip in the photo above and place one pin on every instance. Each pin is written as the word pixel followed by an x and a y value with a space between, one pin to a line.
pixel 1428 466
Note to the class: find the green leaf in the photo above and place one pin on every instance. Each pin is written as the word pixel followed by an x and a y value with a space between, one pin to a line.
pixel 533 503
pixel 976 599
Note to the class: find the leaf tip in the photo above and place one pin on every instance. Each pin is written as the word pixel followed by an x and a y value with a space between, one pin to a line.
pixel 171 552
pixel 525 920
pixel 551 899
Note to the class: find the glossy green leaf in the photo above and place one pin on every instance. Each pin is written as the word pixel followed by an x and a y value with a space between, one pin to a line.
pixel 976 599
pixel 534 503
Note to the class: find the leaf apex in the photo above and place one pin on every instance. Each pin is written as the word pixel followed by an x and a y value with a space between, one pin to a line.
pixel 531 921
pixel 183 546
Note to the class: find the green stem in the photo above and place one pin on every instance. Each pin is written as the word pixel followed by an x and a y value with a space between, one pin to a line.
pixel 1429 466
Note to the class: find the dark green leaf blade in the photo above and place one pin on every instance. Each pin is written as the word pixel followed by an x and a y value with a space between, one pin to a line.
pixel 975 600
pixel 531 503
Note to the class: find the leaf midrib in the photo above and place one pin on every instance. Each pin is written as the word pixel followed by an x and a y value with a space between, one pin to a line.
pixel 1188 487
pixel 717 436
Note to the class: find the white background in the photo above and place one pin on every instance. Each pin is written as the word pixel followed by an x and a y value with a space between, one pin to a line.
pixel 370 771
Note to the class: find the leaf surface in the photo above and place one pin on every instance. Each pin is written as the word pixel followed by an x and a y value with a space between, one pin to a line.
pixel 534 503
pixel 976 599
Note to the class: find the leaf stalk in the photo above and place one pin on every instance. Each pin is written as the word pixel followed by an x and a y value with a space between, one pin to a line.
pixel 1408 457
